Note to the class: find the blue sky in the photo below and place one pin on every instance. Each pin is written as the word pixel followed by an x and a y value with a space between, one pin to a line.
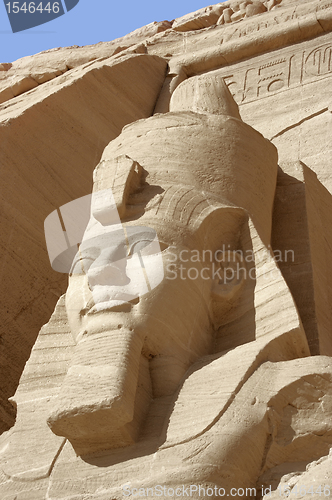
pixel 91 21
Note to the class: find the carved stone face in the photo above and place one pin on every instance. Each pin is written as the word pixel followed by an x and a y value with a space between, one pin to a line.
pixel 169 174
pixel 136 332
pixel 167 304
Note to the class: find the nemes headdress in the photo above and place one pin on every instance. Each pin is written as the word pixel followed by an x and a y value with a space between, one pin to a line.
pixel 181 166
pixel 200 153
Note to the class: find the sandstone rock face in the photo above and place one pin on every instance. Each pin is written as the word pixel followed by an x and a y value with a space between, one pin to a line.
pixel 53 164
pixel 192 349
pixel 29 72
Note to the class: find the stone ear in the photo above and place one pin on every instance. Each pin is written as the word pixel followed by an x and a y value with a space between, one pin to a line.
pixel 228 277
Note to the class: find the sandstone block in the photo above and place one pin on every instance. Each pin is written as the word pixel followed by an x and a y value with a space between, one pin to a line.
pixel 5 66
pixel 238 15
pixel 49 64
pixel 202 18
pixel 228 13
pixel 255 8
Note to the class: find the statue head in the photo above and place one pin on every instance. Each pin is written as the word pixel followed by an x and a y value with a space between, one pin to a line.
pixel 157 271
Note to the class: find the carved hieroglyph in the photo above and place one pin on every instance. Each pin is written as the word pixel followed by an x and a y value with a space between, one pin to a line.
pixel 206 379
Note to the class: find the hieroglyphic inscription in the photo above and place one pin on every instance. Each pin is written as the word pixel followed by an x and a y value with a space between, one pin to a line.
pixel 319 61
pixel 272 75
pixel 323 5
pixel 253 25
pixel 272 19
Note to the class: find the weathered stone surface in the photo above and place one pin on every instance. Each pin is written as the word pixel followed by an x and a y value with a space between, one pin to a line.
pixel 52 164
pixel 200 19
pixel 26 73
pixel 188 384
pixel 230 11
pixel 80 413
pixel 5 66
pixel 270 84
pixel 255 8
pixel 48 363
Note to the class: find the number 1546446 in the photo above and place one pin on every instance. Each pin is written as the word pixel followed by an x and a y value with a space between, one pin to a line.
pixel 32 7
